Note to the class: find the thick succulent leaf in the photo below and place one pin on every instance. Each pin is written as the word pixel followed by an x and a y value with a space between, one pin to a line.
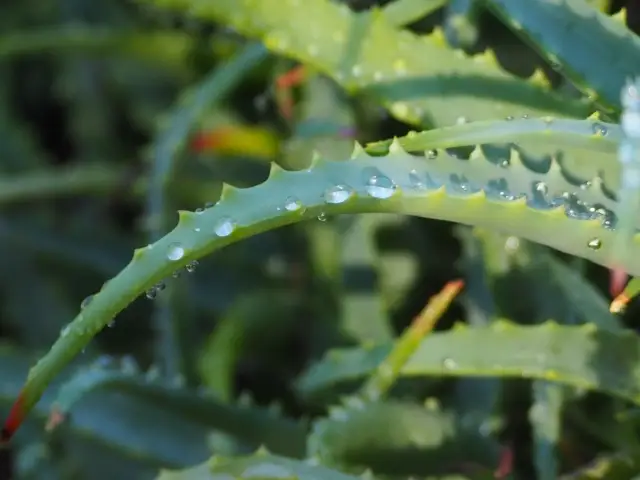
pixel 418 78
pixel 580 356
pixel 397 438
pixel 261 465
pixel 257 426
pixel 582 149
pixel 404 12
pixel 571 33
pixel 473 192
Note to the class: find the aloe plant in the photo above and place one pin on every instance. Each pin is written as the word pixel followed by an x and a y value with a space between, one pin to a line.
pixel 529 146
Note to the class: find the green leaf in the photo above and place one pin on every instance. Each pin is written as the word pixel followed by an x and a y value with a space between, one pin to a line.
pixel 571 33
pixel 580 356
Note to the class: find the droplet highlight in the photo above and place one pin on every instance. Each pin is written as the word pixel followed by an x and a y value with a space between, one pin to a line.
pixel 337 194
pixel 175 252
pixel 225 227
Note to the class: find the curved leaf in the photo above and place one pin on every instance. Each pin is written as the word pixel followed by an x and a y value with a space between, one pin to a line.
pixel 571 33
pixel 261 465
pixel 397 438
pixel 580 356
pixel 418 78
pixel 474 192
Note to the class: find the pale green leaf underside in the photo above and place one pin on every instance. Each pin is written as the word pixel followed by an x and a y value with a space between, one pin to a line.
pixel 580 356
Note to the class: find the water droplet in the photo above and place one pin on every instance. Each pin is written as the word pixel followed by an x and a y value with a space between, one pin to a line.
pixel 585 185
pixel 160 286
pixel 504 163
pixel 176 252
pixel 461 120
pixel 225 227
pixel 209 204
pixel 415 181
pixel 449 364
pixel 379 186
pixel 65 330
pixel 541 187
pixel 292 204
pixel 199 210
pixel 151 293
pixel 176 274
pixel 111 324
pixel 599 129
pixel 432 154
pixel 509 118
pixel 337 194
pixel 595 244
pixel 191 266
pixel 85 303
pixel 322 217
pixel 525 116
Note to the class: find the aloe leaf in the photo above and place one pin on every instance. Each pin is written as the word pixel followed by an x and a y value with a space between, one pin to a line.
pixel 580 356
pixel 260 465
pixel 586 149
pixel 398 183
pixel 162 48
pixel 619 466
pixel 166 151
pixel 400 13
pixel 257 426
pixel 571 33
pixel 109 436
pixel 397 438
pixel 419 79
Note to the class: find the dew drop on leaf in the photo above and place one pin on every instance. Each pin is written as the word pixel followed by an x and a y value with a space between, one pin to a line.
pixel 432 154
pixel 176 252
pixel 225 227
pixel 541 187
pixel 415 181
pixel 449 364
pixel 322 217
pixel 292 204
pixel 85 303
pixel 65 330
pixel 151 293
pixel 191 266
pixel 337 194
pixel 595 244
pixel 379 186
pixel 599 129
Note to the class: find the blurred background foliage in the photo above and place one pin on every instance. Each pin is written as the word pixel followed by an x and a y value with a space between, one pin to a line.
pixel 84 89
